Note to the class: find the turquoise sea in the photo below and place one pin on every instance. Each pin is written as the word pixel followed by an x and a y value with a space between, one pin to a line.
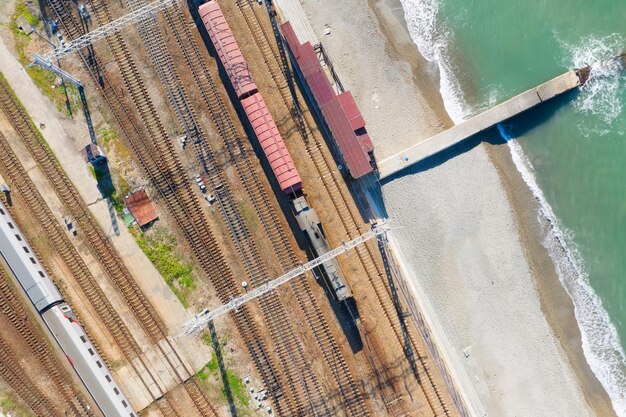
pixel 572 152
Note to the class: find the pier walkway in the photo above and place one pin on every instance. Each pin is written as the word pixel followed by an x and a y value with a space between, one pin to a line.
pixel 478 123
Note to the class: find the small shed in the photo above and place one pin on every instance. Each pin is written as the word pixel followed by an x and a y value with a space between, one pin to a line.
pixel 93 154
pixel 141 208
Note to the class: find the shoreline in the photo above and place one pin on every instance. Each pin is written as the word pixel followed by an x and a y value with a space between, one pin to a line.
pixel 554 304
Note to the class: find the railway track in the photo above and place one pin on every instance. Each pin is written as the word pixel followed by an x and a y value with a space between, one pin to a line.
pixel 289 350
pixel 346 386
pixel 102 248
pixel 106 255
pixel 347 213
pixel 13 171
pixel 13 375
pixel 157 162
pixel 41 351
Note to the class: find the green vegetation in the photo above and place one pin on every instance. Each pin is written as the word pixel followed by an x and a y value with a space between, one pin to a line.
pixel 21 9
pixel 237 386
pixel 106 134
pixel 9 405
pixel 158 245
pixel 206 338
pixel 44 80
pixel 248 214
pixel 110 142
pixel 105 183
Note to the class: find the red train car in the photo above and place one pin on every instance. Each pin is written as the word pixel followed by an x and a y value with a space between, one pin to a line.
pixel 272 144
pixel 227 49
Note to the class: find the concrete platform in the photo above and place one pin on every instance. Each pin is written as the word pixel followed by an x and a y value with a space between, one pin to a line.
pixel 478 123
pixel 292 11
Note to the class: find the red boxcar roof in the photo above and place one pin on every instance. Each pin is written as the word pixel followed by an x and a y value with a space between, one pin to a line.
pixel 352 111
pixel 272 143
pixel 140 206
pixel 227 49
pixel 321 88
pixel 366 142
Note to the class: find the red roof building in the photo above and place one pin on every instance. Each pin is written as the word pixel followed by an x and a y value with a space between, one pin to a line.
pixel 340 112
pixel 352 111
pixel 141 208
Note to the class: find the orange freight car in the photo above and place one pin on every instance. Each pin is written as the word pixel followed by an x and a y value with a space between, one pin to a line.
pixel 272 144
pixel 227 49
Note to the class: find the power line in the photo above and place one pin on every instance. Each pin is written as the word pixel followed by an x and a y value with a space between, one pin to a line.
pixel 106 30
pixel 205 316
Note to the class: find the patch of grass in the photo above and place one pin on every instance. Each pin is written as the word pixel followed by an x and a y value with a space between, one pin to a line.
pixel 9 405
pixel 203 374
pixel 248 215
pixel 106 133
pixel 110 141
pixel 158 245
pixel 123 186
pixel 117 197
pixel 237 386
pixel 44 80
pixel 212 366
pixel 21 9
pixel 206 338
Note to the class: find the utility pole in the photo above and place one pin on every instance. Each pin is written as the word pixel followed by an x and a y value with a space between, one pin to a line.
pixel 48 65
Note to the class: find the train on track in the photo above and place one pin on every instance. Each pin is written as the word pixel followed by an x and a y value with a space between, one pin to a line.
pixel 58 316
pixel 270 139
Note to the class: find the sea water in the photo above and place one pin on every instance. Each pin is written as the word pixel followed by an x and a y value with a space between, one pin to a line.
pixel 571 152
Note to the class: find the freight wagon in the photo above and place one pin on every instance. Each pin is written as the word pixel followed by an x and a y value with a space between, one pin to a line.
pixel 269 138
pixel 256 110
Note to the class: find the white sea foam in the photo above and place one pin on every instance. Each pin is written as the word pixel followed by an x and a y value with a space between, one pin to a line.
pixel 433 39
pixel 600 340
pixel 601 94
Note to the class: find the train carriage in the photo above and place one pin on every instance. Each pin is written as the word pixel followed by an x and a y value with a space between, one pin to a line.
pixel 272 144
pixel 61 322
pixel 227 49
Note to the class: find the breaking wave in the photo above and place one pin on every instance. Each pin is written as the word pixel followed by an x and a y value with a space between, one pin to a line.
pixel 600 340
pixel 600 97
pixel 433 39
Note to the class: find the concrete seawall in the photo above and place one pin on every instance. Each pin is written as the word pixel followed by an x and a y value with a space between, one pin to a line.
pixel 478 123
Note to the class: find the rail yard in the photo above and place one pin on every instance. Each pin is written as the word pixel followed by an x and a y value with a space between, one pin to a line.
pixel 204 107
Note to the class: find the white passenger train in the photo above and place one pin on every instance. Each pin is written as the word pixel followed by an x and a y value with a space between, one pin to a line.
pixel 310 224
pixel 59 318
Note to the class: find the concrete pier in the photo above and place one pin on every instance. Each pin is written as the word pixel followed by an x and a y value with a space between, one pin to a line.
pixel 478 123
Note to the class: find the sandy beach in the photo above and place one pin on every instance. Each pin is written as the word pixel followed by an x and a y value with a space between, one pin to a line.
pixel 467 227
